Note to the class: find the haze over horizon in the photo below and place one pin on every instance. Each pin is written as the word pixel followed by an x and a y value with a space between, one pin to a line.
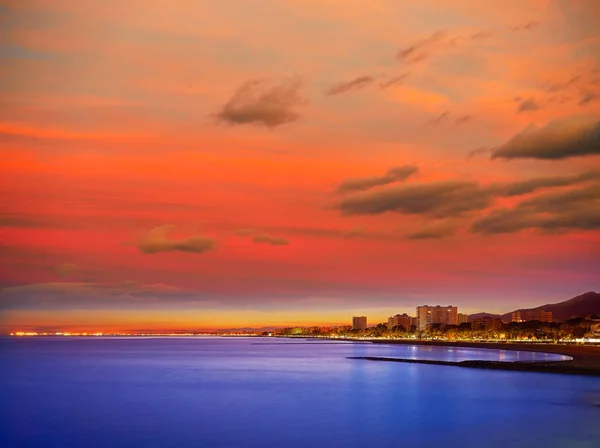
pixel 190 165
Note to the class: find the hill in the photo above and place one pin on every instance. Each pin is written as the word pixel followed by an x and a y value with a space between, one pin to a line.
pixel 580 306
pixel 472 317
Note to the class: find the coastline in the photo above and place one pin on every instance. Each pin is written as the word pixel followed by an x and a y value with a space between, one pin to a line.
pixel 585 358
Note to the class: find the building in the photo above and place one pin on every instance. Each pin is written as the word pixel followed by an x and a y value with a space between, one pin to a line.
pixel 487 323
pixel 527 315
pixel 359 323
pixel 444 315
pixel 463 318
pixel 401 320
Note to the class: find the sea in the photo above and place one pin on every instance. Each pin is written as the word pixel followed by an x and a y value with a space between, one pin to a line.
pixel 271 392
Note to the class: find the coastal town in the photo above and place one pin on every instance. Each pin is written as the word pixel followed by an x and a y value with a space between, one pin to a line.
pixel 447 323
pixel 430 323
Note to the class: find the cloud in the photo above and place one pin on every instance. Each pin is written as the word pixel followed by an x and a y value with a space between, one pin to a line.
pixel 462 119
pixel 393 81
pixel 25 220
pixel 581 87
pixel 355 232
pixel 445 116
pixel 435 231
pixel 435 200
pixel 557 86
pixel 421 49
pixel 157 241
pixel 66 269
pixel 393 175
pixel 259 102
pixel 555 211
pixel 94 295
pixel 450 198
pixel 265 238
pixel 560 139
pixel 355 84
pixel 525 26
pixel 587 97
pixel 440 118
pixel 528 104
pixel 481 35
pixel 479 151
pixel 531 185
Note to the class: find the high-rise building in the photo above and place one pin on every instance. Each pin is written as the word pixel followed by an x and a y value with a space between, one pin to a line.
pixel 462 318
pixel 359 322
pixel 400 320
pixel 444 315
pixel 526 315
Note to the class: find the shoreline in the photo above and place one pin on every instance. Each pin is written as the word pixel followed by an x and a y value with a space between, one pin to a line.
pixel 585 358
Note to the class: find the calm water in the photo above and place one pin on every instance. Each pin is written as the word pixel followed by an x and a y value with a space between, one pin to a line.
pixel 202 392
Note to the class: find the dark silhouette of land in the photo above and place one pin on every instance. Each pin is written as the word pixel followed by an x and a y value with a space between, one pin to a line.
pixel 586 358
pixel 581 305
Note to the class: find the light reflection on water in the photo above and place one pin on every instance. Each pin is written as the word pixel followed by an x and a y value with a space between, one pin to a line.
pixel 263 392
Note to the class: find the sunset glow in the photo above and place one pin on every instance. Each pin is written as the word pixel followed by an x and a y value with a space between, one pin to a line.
pixel 201 165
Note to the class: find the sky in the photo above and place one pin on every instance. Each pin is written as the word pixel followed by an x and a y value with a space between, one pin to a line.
pixel 246 163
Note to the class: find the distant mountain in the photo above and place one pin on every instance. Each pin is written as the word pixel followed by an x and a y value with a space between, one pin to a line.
pixel 580 306
pixel 472 317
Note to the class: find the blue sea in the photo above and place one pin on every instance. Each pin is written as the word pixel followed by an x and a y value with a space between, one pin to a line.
pixel 268 392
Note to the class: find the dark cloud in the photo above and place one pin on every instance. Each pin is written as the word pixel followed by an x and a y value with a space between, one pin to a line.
pixel 581 87
pixel 525 26
pixel 557 86
pixel 560 139
pixel 157 241
pixel 355 232
pixel 433 232
pixel 531 185
pixel 435 200
pixel 22 220
pixel 587 97
pixel 440 118
pixel 265 238
pixel 462 119
pixel 355 84
pixel 528 104
pixel 421 49
pixel 93 295
pixel 66 269
pixel 449 198
pixel 393 81
pixel 556 211
pixel 327 232
pixel 393 175
pixel 259 102
pixel 481 35
pixel 445 117
pixel 479 151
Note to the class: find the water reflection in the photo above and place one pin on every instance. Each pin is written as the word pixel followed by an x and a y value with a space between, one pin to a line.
pixel 266 392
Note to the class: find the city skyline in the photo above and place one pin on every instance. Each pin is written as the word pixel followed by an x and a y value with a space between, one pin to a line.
pixel 202 165
pixel 399 319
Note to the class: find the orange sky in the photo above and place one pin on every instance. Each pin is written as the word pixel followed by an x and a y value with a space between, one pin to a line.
pixel 200 164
